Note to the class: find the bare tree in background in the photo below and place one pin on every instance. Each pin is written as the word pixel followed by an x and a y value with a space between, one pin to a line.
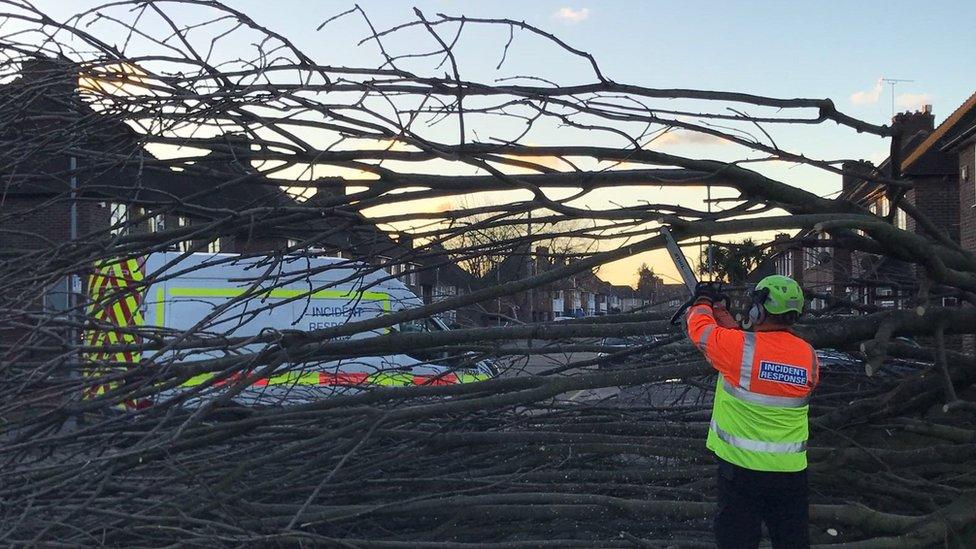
pixel 185 126
pixel 484 241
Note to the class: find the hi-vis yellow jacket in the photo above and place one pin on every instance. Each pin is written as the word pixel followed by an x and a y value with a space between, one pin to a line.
pixel 759 418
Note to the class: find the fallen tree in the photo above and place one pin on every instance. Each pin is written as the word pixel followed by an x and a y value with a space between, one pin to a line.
pixel 568 454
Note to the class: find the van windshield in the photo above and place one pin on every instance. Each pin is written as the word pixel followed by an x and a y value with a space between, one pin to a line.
pixel 422 325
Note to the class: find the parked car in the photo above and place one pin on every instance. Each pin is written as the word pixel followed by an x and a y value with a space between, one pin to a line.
pixel 617 344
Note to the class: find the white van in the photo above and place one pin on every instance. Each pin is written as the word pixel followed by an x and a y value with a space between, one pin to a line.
pixel 226 295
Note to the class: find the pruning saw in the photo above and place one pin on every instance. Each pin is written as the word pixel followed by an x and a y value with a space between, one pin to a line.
pixel 687 274
pixel 684 269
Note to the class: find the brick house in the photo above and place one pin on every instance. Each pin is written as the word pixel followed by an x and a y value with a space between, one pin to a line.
pixel 630 299
pixel 963 147
pixel 433 275
pixel 440 279
pixel 967 191
pixel 580 295
pixel 932 160
pixel 661 296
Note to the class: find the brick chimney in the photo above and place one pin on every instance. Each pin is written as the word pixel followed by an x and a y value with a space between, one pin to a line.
pixel 914 122
pixel 779 242
pixel 230 153
pixel 854 172
pixel 405 240
pixel 541 259
pixel 52 87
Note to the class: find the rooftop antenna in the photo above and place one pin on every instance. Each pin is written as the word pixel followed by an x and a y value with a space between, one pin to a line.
pixel 893 82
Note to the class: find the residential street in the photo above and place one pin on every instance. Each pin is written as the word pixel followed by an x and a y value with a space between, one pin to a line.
pixel 536 364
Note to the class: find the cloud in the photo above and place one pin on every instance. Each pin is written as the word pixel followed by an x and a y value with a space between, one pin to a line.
pixel 572 16
pixel 686 137
pixel 879 156
pixel 553 162
pixel 867 97
pixel 913 101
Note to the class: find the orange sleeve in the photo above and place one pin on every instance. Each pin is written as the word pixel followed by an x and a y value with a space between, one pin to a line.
pixel 815 369
pixel 721 346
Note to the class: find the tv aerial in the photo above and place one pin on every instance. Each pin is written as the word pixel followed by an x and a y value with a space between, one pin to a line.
pixel 894 82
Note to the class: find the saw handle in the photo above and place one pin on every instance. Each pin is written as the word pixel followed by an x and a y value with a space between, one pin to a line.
pixel 709 290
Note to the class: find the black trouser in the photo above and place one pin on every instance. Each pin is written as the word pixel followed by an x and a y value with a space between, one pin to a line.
pixel 747 498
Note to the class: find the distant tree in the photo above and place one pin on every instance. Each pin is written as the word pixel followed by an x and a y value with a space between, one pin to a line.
pixel 490 238
pixel 646 280
pixel 733 261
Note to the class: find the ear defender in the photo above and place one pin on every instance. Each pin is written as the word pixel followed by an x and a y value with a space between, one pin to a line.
pixel 757 313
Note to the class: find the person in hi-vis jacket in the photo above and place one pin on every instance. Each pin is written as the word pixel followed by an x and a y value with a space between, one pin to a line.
pixel 759 426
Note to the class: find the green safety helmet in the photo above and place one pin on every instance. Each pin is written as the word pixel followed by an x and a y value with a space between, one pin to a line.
pixel 784 294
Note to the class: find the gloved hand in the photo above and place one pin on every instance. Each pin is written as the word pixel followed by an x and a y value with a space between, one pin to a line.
pixel 722 315
pixel 711 292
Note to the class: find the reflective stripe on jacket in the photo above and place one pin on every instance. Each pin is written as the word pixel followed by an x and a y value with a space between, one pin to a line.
pixel 759 417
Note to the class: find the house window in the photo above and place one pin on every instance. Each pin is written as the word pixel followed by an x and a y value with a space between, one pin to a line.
pixel 56 298
pixel 118 219
pixel 405 273
pixel 816 255
pixel 784 263
pixel 409 278
pixel 808 256
pixel 157 223
pixel 214 246
pixel 882 291
pixel 183 246
pixel 950 301
pixel 883 206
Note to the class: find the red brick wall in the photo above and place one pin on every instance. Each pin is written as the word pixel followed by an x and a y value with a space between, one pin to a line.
pixel 36 223
pixel 26 221
pixel 967 215
pixel 967 198
pixel 938 198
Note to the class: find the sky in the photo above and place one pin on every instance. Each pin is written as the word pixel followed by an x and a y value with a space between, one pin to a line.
pixel 834 49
